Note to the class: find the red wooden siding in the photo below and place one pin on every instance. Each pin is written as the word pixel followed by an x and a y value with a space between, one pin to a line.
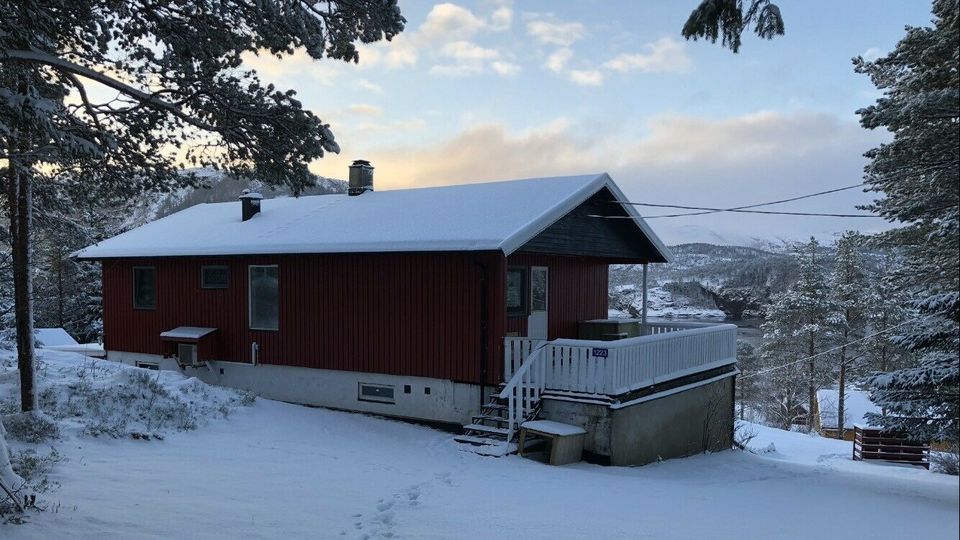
pixel 415 314
pixel 577 291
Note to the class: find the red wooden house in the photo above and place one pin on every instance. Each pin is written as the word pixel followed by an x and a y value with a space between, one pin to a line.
pixel 394 302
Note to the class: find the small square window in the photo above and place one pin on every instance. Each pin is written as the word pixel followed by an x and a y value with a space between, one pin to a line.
pixel 406 389
pixel 144 287
pixel 381 393
pixel 426 390
pixel 214 277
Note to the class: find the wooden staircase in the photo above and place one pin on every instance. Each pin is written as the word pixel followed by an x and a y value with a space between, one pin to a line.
pixel 489 432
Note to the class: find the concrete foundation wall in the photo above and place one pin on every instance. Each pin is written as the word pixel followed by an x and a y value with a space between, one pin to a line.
pixel 446 401
pixel 680 424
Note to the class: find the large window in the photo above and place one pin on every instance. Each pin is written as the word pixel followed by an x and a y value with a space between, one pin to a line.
pixel 214 277
pixel 517 292
pixel 144 287
pixel 264 297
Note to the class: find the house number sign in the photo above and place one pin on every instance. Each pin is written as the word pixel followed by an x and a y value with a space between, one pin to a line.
pixel 600 353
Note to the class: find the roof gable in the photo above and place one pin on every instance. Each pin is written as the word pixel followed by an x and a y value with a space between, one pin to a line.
pixel 470 217
pixel 583 231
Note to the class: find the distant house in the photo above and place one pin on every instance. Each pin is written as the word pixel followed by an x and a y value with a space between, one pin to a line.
pixel 856 405
pixel 431 303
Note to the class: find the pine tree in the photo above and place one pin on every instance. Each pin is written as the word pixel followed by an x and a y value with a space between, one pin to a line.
pixel 797 327
pixel 746 387
pixel 917 176
pixel 181 93
pixel 848 286
pixel 727 19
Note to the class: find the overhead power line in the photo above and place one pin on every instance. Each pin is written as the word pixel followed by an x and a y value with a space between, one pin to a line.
pixel 828 351
pixel 746 209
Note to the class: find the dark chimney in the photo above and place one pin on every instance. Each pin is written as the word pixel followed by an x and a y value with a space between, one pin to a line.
pixel 361 177
pixel 250 204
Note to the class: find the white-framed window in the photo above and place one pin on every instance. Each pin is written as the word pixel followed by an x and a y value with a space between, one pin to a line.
pixel 380 393
pixel 214 276
pixel 264 297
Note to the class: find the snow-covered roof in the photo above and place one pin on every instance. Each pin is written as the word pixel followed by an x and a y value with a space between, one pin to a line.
pixel 187 332
pixel 53 337
pixel 856 404
pixel 470 217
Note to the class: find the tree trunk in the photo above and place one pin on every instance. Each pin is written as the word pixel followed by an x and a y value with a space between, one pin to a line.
pixel 842 393
pixel 811 385
pixel 23 288
pixel 60 255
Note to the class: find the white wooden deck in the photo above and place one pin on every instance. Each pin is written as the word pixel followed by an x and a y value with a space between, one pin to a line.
pixel 664 352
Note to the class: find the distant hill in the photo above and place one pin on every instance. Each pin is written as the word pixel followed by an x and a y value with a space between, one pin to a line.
pixel 218 186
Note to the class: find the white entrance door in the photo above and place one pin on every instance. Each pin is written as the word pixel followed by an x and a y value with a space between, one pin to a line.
pixel 537 320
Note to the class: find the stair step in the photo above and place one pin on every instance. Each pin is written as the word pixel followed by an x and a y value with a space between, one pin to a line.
pixel 486 429
pixel 489 418
pixel 495 406
pixel 478 441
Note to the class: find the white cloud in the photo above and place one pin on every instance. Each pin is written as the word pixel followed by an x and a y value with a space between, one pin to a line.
pixel 501 19
pixel 553 32
pixel 364 109
pixel 466 50
pixel 370 86
pixel 557 60
pixel 507 69
pixel 400 52
pixel 681 160
pixel 457 70
pixel 589 77
pixel 449 20
pixel 663 55
pixel 472 59
pixel 293 66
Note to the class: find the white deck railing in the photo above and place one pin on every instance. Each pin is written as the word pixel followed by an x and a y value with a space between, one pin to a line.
pixel 665 351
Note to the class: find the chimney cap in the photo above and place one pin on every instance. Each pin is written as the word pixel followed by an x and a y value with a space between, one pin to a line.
pixel 247 194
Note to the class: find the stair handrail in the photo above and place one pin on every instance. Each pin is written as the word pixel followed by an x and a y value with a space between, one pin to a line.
pixel 528 382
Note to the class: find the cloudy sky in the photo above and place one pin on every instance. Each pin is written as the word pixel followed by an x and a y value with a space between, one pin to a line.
pixel 493 89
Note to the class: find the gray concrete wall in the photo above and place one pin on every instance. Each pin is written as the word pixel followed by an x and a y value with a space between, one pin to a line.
pixel 682 424
pixel 596 419
pixel 685 423
pixel 447 401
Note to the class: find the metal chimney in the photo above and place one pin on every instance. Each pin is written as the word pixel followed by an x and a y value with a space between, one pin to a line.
pixel 361 177
pixel 250 204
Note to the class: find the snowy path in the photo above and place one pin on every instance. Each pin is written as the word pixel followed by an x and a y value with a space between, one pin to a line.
pixel 275 470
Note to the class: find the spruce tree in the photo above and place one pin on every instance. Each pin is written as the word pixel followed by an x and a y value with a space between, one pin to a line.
pixel 888 309
pixel 916 176
pixel 848 287
pixel 797 327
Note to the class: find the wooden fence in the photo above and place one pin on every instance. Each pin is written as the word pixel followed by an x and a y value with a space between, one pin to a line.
pixel 876 444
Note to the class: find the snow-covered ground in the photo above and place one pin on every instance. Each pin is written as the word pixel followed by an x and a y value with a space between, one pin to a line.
pixel 275 470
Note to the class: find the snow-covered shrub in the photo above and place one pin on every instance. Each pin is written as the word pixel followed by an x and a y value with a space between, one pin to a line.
pixel 31 427
pixel 34 468
pixel 946 462
pixel 743 433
